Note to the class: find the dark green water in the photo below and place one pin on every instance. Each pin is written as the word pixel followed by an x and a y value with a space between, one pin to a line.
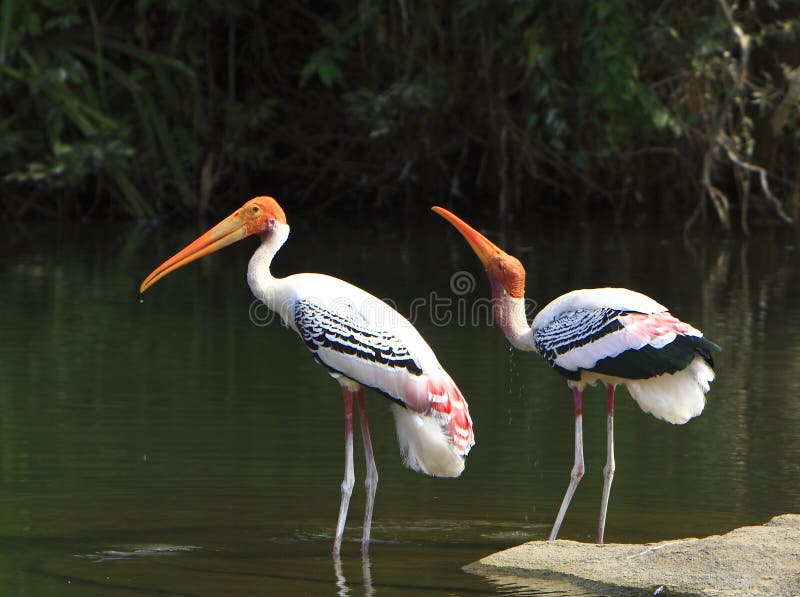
pixel 171 446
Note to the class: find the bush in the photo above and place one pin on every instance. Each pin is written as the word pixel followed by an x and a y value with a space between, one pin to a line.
pixel 150 108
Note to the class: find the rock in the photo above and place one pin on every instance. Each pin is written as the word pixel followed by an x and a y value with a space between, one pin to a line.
pixel 753 561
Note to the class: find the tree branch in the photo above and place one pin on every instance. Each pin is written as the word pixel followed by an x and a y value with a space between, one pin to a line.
pixel 763 179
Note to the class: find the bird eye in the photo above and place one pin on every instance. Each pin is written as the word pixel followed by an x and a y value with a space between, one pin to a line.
pixel 255 209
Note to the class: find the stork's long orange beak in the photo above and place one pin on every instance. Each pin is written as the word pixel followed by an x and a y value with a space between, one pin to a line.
pixel 227 232
pixel 504 270
pixel 483 247
pixel 259 215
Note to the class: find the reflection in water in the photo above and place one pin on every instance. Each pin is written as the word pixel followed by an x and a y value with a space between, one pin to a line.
pixel 341 581
pixel 177 422
pixel 142 551
pixel 550 585
pixel 366 577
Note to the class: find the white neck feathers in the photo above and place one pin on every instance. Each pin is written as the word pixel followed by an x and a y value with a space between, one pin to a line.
pixel 259 276
pixel 510 314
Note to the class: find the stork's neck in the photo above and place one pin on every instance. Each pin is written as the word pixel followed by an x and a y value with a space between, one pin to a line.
pixel 262 283
pixel 509 313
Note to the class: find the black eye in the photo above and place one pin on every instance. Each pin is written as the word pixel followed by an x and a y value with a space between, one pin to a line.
pixel 255 209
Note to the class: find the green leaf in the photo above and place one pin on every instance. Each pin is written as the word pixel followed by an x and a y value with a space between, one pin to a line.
pixel 660 118
pixel 329 31
pixel 323 66
pixel 329 73
pixel 307 72
pixel 34 25
pixel 6 11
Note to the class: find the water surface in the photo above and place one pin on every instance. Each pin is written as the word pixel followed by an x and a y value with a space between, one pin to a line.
pixel 167 444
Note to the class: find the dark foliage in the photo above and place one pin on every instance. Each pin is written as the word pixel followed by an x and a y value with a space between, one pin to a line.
pixel 637 108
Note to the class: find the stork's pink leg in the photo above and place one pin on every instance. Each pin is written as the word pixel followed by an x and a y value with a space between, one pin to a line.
pixel 608 469
pixel 577 469
pixel 349 474
pixel 371 481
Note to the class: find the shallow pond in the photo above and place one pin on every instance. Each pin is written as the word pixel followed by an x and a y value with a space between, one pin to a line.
pixel 177 443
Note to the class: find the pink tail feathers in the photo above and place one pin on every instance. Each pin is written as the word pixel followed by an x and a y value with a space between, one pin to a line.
pixel 448 401
pixel 435 440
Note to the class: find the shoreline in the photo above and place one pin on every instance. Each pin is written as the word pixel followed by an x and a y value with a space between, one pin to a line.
pixel 753 560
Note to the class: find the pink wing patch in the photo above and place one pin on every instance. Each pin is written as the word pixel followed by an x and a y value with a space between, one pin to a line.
pixel 438 396
pixel 447 400
pixel 657 329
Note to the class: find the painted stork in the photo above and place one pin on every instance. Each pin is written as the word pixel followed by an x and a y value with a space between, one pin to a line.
pixel 362 342
pixel 612 335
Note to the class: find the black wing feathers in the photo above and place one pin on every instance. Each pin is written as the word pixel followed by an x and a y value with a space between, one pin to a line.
pixel 574 329
pixel 322 328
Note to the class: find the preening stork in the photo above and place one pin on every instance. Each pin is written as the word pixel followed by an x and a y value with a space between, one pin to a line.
pixel 612 335
pixel 362 342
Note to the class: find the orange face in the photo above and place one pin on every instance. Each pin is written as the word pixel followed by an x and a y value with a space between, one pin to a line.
pixel 260 215
pixel 503 269
pixel 507 271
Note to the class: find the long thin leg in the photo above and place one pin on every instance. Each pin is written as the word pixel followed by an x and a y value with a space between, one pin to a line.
pixel 610 467
pixel 577 469
pixel 349 474
pixel 371 481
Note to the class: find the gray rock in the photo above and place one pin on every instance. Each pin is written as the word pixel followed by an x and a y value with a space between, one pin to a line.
pixel 753 561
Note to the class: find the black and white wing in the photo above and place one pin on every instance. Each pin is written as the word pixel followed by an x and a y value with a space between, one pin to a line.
pixel 346 343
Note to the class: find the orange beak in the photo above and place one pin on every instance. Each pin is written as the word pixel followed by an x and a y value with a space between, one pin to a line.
pixel 483 247
pixel 228 231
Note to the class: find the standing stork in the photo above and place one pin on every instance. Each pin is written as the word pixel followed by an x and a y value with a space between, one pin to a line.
pixel 612 335
pixel 362 342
